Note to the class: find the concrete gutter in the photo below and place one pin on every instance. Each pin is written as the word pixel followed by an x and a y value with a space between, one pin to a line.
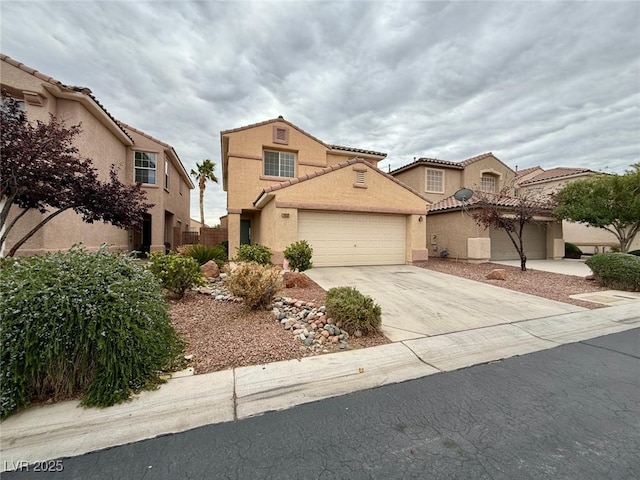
pixel 186 402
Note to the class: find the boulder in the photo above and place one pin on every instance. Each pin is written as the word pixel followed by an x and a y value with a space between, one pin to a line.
pixel 497 274
pixel 210 269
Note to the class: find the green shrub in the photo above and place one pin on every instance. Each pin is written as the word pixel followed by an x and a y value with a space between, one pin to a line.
pixel 202 254
pixel 254 253
pixel 225 245
pixel 355 310
pixel 571 250
pixel 72 324
pixel 616 270
pixel 634 252
pixel 176 273
pixel 299 256
pixel 256 284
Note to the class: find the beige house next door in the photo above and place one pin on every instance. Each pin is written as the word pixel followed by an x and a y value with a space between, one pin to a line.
pixel 343 239
pixel 534 239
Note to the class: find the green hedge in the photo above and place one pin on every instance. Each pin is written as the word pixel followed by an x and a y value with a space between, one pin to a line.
pixel 616 270
pixel 254 253
pixel 299 256
pixel 72 324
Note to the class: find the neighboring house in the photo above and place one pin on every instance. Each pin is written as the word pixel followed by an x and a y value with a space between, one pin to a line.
pixel 284 185
pixel 589 239
pixel 137 156
pixel 449 225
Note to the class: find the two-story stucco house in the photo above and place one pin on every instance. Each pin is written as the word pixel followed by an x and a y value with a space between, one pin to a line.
pixel 449 225
pixel 285 185
pixel 589 239
pixel 138 157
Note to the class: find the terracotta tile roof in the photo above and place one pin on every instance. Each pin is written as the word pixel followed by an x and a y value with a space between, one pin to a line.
pixel 324 171
pixel 427 162
pixel 436 162
pixel 556 173
pixel 450 203
pixel 527 171
pixel 357 150
pixel 84 90
pixel 328 146
pixel 477 158
pixel 267 122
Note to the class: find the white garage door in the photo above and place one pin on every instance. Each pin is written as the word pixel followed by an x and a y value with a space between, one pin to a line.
pixel 534 239
pixel 354 238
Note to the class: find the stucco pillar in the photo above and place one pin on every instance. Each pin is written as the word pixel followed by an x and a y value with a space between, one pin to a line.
pixel 478 249
pixel 233 225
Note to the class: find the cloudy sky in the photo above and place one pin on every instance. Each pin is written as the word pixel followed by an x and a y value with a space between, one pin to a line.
pixel 536 83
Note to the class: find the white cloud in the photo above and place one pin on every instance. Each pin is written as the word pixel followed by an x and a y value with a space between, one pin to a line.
pixel 537 83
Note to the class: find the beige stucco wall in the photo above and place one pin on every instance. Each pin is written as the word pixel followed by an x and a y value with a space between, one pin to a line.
pixel 245 160
pixel 278 221
pixel 473 173
pixel 98 142
pixel 455 179
pixel 452 229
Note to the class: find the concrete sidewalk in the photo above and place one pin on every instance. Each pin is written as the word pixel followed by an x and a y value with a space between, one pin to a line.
pixel 64 429
pixel 564 266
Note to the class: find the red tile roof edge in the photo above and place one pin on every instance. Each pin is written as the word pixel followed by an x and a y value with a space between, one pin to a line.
pixel 331 168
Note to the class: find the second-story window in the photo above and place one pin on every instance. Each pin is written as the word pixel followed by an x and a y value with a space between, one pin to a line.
pixel 488 183
pixel 145 166
pixel 434 181
pixel 279 164
pixel 166 173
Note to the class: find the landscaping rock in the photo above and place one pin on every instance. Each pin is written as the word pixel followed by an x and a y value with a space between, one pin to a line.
pixel 497 274
pixel 210 269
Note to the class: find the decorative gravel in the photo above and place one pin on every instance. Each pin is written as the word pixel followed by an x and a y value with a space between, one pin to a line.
pixel 553 286
pixel 227 334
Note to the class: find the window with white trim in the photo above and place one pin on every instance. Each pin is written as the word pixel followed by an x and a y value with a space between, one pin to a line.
pixel 145 167
pixel 167 166
pixel 488 183
pixel 279 164
pixel 434 180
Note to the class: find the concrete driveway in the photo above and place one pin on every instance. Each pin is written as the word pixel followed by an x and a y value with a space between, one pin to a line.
pixel 417 302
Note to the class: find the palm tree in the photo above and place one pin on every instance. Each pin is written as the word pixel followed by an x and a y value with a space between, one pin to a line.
pixel 204 171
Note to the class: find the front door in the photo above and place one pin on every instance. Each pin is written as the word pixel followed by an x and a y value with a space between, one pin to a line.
pixel 245 232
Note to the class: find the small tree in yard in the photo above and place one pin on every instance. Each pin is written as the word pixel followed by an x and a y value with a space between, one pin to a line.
pixel 511 214
pixel 609 202
pixel 41 169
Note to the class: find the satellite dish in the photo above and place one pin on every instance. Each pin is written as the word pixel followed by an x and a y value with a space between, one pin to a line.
pixel 463 194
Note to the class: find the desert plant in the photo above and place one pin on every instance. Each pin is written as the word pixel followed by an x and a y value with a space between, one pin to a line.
pixel 355 310
pixel 203 253
pixel 616 270
pixel 78 323
pixel 299 256
pixel 256 284
pixel 184 250
pixel 175 272
pixel 254 253
pixel 571 250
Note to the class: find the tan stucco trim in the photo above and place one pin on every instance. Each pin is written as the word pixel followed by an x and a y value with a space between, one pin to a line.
pixel 307 164
pixel 359 168
pixel 359 185
pixel 347 208
pixel 247 157
pixel 234 211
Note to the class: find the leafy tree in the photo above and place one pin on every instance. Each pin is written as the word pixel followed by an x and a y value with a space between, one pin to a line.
pixel 42 170
pixel 204 171
pixel 505 212
pixel 609 202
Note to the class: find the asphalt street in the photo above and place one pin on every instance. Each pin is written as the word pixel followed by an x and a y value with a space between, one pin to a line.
pixel 572 412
